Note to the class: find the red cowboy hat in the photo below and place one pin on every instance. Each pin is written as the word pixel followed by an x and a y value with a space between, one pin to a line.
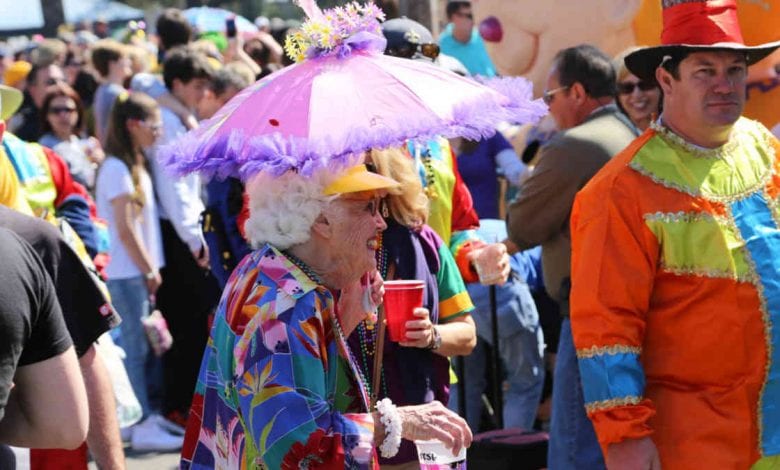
pixel 696 25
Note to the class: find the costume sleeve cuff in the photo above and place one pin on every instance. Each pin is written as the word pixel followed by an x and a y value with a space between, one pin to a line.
pixel 463 260
pixel 620 423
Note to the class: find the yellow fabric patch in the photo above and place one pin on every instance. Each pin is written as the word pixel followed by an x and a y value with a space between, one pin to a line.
pixel 741 166
pixel 452 307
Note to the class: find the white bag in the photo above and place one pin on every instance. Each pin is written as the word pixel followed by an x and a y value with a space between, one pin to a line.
pixel 128 408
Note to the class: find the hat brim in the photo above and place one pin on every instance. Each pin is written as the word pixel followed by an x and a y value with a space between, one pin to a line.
pixel 11 99
pixel 357 179
pixel 643 62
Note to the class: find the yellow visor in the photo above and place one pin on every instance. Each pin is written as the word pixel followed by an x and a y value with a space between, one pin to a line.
pixel 10 100
pixel 356 179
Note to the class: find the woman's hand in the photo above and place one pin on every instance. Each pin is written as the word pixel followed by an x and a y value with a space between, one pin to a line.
pixel 353 307
pixel 153 282
pixel 376 288
pixel 419 333
pixel 94 151
pixel 434 421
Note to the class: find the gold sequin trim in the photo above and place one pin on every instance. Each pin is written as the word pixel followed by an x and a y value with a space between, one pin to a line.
pixel 719 152
pixel 767 336
pixel 711 273
pixel 594 351
pixel 611 403
pixel 682 216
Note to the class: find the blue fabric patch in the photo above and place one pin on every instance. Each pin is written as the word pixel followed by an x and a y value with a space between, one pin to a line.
pixel 25 165
pixel 762 237
pixel 610 376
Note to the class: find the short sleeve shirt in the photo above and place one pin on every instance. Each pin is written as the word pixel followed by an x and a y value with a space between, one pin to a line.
pixel 32 328
pixel 87 312
pixel 114 180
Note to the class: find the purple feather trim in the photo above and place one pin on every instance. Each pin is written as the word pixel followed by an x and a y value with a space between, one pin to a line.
pixel 235 154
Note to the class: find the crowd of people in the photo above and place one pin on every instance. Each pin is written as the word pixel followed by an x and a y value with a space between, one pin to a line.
pixel 629 255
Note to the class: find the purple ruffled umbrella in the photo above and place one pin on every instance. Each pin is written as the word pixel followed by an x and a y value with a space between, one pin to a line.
pixel 344 97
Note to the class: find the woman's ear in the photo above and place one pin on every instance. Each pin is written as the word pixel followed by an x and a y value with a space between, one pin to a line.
pixel 322 226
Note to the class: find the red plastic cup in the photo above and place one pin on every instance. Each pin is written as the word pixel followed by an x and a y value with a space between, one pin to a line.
pixel 401 298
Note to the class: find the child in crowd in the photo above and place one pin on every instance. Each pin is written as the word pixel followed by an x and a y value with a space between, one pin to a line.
pixel 125 198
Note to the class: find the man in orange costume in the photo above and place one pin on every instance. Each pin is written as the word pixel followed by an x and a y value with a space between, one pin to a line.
pixel 675 303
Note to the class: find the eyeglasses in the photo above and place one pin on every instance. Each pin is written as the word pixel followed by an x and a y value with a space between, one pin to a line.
pixel 154 127
pixel 61 110
pixel 408 50
pixel 548 95
pixel 626 88
pixel 373 206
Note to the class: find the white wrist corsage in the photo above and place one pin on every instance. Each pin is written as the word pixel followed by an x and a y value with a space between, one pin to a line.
pixel 391 419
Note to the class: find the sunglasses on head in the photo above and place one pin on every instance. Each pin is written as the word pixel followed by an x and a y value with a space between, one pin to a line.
pixel 408 50
pixel 626 88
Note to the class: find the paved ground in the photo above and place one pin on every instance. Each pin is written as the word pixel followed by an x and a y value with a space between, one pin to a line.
pixel 148 460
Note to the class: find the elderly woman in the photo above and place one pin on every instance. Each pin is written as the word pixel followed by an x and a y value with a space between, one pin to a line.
pixel 640 100
pixel 279 387
pixel 416 370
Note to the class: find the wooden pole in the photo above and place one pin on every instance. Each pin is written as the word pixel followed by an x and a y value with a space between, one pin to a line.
pixel 376 381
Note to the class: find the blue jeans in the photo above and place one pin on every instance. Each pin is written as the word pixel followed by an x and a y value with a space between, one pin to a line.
pixel 573 443
pixel 522 357
pixel 131 299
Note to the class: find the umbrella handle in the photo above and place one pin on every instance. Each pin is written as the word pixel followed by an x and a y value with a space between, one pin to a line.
pixel 378 356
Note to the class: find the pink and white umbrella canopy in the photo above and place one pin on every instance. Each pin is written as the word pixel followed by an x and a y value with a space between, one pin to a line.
pixel 344 100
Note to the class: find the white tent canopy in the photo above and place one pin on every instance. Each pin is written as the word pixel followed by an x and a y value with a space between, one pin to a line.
pixel 79 10
pixel 31 15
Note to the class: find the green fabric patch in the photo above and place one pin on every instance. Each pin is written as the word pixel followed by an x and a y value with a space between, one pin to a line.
pixel 740 167
pixel 699 244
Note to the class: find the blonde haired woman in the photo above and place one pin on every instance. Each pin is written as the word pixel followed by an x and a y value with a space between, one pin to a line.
pixel 415 371
pixel 640 100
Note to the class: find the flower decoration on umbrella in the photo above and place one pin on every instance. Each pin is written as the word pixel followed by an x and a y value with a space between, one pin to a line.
pixel 341 98
pixel 336 32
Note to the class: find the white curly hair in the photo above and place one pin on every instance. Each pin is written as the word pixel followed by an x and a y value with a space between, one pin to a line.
pixel 283 209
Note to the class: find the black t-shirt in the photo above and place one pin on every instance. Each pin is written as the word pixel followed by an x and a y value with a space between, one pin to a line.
pixel 87 312
pixel 32 328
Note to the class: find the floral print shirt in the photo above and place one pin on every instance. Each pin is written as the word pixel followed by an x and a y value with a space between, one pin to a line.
pixel 277 388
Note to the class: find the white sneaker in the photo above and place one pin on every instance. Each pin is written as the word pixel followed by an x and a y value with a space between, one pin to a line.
pixel 150 436
pixel 168 425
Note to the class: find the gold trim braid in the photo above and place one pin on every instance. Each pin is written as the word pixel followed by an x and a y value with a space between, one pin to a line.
pixel 594 351
pixel 611 403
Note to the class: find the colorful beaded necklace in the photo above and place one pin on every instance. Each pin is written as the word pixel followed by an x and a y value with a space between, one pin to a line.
pixel 363 383
pixel 303 267
pixel 367 333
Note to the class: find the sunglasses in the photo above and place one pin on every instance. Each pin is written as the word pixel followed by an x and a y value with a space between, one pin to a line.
pixel 548 95
pixel 408 50
pixel 61 110
pixel 626 88
pixel 373 206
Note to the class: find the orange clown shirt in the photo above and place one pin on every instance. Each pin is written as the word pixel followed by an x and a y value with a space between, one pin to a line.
pixel 675 302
